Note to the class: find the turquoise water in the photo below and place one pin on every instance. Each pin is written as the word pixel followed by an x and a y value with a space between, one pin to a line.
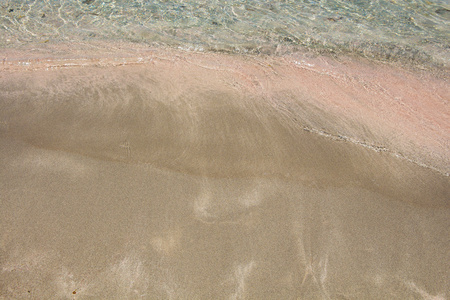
pixel 405 30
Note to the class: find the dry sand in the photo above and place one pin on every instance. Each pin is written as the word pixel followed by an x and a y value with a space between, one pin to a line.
pixel 128 172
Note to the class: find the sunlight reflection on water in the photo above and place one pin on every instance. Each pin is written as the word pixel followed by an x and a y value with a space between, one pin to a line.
pixel 406 30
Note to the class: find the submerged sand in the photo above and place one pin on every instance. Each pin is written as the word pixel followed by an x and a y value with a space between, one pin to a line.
pixel 164 174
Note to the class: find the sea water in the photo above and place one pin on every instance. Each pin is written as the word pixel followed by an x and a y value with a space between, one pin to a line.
pixel 224 150
pixel 390 29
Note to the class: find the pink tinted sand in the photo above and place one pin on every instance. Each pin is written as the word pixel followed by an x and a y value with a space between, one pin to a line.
pixel 376 105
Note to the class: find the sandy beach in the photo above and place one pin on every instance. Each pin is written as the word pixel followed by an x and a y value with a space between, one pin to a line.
pixel 129 172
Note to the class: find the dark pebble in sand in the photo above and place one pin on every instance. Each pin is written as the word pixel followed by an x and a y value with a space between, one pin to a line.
pixel 88 1
pixel 443 12
pixel 334 19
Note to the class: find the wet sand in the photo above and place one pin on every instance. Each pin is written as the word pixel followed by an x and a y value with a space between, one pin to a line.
pixel 163 174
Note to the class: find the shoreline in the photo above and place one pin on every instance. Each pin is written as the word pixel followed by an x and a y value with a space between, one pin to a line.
pixel 92 52
pixel 381 106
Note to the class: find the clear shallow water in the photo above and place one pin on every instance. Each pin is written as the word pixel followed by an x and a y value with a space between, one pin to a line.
pixel 214 176
pixel 155 182
pixel 417 31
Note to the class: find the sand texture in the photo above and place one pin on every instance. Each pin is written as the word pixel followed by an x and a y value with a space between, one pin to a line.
pixel 163 174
